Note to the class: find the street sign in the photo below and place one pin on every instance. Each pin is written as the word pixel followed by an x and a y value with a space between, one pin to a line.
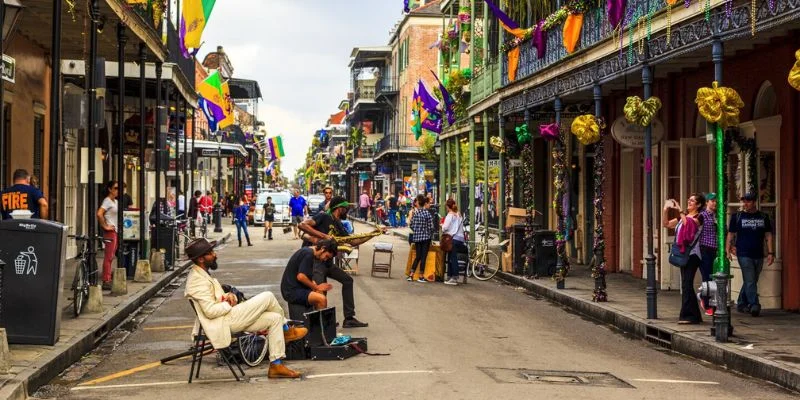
pixel 9 69
pixel 209 152
pixel 494 163
pixel 420 170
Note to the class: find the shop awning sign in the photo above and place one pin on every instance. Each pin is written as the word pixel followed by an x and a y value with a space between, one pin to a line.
pixel 9 69
pixel 632 135
pixel 210 152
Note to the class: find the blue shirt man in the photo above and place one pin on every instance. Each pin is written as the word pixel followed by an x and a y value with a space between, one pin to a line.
pixel 298 206
pixel 23 196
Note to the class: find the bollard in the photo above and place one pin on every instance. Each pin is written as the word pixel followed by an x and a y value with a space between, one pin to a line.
pixel 94 304
pixel 119 283
pixel 157 261
pixel 143 273
pixel 5 354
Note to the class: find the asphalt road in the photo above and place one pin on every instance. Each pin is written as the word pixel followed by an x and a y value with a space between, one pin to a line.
pixel 474 341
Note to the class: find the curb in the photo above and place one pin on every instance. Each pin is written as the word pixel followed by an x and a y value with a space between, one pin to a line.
pixel 687 344
pixel 33 377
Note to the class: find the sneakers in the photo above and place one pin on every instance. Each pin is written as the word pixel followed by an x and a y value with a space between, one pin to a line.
pixel 354 323
pixel 755 310
pixel 106 286
pixel 743 308
pixel 294 333
pixel 281 371
pixel 409 278
pixel 421 280
pixel 452 281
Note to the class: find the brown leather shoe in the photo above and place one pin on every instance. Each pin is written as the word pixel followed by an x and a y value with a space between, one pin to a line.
pixel 294 333
pixel 281 371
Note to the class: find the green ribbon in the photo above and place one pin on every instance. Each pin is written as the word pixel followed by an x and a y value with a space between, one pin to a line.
pixel 721 264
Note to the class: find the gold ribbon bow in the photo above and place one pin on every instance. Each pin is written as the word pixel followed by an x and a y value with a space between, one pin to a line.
pixel 719 105
pixel 794 73
pixel 641 112
pixel 586 128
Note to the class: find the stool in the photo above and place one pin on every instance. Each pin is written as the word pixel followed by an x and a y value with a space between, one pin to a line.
pixel 349 261
pixel 384 267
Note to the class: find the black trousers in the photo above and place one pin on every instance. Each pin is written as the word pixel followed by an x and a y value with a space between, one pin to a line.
pixel 323 270
pixel 690 308
pixel 421 257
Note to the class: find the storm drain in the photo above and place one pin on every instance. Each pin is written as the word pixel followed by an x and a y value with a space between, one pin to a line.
pixel 575 378
pixel 658 337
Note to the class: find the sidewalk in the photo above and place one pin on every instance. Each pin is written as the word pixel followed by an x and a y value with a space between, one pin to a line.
pixel 34 365
pixel 766 347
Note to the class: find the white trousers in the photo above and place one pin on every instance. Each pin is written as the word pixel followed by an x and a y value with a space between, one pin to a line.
pixel 258 313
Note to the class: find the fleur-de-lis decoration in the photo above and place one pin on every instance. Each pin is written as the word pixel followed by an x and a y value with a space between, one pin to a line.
pixel 641 112
pixel 719 105
pixel 523 136
pixel 587 129
pixel 794 73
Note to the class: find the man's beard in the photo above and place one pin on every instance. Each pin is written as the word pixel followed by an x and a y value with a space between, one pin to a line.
pixel 213 266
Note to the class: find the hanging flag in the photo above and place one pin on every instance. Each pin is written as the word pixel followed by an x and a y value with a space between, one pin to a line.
pixel 276 147
pixel 193 21
pixel 449 104
pixel 270 168
pixel 227 107
pixel 211 90
pixel 408 5
pixel 429 115
pixel 203 105
pixel 416 125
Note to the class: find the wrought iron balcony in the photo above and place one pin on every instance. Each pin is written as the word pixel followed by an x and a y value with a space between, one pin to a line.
pixel 386 87
pixel 595 30
pixel 397 142
pixel 364 92
pixel 485 83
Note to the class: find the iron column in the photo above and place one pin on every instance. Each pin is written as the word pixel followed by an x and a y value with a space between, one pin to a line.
pixel 142 141
pixel 485 195
pixel 91 186
pixel 722 317
pixel 157 149
pixel 501 189
pixel 471 188
pixel 218 206
pixel 600 294
pixel 560 247
pixel 650 259
pixel 122 39
pixel 55 110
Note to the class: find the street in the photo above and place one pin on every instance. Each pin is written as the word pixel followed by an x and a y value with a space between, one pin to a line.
pixel 479 340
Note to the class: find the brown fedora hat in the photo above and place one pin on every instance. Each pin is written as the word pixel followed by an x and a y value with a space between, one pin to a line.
pixel 199 247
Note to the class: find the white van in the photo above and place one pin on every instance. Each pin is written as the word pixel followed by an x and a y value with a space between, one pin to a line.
pixel 282 210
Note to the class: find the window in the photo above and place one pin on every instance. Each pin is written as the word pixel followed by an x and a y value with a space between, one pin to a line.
pixel 38 145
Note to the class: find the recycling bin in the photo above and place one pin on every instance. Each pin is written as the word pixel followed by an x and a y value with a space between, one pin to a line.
pixel 166 241
pixel 33 251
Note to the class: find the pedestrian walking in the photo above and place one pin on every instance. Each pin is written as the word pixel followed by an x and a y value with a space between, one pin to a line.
pixel 393 210
pixel 363 205
pixel 402 203
pixel 194 208
pixel 107 217
pixel 454 226
pixel 23 196
pixel 240 219
pixel 269 217
pixel 421 225
pixel 206 206
pixel 299 207
pixel 687 228
pixel 747 230
pixel 708 245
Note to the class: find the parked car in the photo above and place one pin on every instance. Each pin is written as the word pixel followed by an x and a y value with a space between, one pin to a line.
pixel 314 201
pixel 282 211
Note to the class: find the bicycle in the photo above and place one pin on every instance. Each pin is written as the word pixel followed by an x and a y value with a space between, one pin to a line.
pixel 84 277
pixel 484 263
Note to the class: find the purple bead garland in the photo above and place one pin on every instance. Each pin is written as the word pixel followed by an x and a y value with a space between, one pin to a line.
pixel 599 262
pixel 527 179
pixel 559 172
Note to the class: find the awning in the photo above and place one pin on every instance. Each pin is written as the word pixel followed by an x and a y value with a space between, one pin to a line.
pixel 211 148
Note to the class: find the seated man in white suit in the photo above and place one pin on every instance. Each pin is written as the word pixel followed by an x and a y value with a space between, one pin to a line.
pixel 222 315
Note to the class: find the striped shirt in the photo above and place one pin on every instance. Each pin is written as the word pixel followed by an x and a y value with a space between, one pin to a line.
pixel 708 235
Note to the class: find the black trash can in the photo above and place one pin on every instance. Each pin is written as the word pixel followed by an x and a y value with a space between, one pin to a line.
pixel 166 241
pixel 518 260
pixel 130 252
pixel 33 251
pixel 545 255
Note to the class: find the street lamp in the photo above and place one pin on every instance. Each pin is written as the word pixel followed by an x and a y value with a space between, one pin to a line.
pixel 373 167
pixel 218 206
pixel 437 149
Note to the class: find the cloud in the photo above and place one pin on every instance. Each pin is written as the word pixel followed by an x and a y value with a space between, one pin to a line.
pixel 298 51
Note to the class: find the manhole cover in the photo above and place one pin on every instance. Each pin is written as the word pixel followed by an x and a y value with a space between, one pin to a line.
pixel 577 378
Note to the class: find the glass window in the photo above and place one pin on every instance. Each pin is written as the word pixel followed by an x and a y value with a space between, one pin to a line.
pixel 766 177
pixel 736 179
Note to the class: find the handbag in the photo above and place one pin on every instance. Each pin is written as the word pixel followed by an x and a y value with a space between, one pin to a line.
pixel 680 258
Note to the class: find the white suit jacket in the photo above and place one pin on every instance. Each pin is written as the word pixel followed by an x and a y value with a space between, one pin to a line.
pixel 206 294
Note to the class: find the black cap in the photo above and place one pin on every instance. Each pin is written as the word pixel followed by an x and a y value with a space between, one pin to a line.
pixel 749 196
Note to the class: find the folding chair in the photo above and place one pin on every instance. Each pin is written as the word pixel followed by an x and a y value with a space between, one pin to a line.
pixel 349 261
pixel 382 267
pixel 201 345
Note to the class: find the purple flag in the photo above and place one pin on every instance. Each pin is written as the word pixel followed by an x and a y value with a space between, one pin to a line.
pixel 213 113
pixel 539 41
pixel 504 19
pixel 433 119
pixel 449 104
pixel 616 11
pixel 429 102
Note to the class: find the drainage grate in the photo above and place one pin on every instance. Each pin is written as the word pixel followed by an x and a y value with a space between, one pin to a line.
pixel 576 378
pixel 658 337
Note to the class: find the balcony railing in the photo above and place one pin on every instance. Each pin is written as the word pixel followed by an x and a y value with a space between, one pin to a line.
pixel 386 86
pixel 595 30
pixel 364 92
pixel 144 11
pixel 486 83
pixel 364 152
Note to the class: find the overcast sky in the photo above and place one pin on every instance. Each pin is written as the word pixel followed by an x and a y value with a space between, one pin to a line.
pixel 298 51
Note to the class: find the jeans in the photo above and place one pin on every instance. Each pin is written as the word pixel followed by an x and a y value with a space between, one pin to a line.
pixel 323 270
pixel 110 251
pixel 364 212
pixel 459 247
pixel 420 258
pixel 393 217
pixel 242 226
pixel 751 269
pixel 690 309
pixel 707 266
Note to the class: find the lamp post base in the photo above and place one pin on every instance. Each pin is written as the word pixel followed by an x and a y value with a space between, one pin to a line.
pixel 722 316
pixel 217 218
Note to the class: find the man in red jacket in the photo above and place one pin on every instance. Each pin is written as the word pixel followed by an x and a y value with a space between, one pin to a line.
pixel 206 206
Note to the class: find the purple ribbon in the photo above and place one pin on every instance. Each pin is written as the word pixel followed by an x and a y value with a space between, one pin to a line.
pixel 549 131
pixel 538 41
pixel 616 11
pixel 648 165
